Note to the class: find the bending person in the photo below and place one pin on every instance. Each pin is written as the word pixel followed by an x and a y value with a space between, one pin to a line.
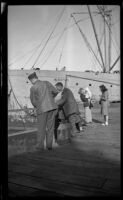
pixel 70 108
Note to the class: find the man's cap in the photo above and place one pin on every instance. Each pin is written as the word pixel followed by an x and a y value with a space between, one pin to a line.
pixel 59 84
pixel 33 75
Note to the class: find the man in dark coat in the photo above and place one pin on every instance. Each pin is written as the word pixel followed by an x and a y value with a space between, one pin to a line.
pixel 42 95
pixel 70 107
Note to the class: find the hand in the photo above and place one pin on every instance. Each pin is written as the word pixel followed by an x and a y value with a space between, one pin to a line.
pixel 33 113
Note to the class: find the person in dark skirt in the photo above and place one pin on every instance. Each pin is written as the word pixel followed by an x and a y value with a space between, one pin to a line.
pixel 104 102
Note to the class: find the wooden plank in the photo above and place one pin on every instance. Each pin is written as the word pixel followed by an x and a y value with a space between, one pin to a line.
pixel 59 187
pixel 59 175
pixel 85 169
pixel 20 190
pixel 17 190
pixel 112 186
pixel 84 160
pixel 66 161
pixel 89 166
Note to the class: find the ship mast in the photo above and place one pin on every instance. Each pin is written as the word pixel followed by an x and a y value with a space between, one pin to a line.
pixel 106 14
pixel 93 25
pixel 109 64
pixel 86 41
pixel 105 52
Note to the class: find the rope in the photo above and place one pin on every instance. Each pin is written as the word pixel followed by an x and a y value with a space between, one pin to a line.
pixel 19 105
pixel 101 11
pixel 49 38
pixel 22 56
pixel 64 42
pixel 97 51
pixel 56 44
pixel 36 47
pixel 53 48
pixel 86 42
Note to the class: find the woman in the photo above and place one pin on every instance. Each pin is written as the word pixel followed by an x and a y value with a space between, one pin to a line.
pixel 85 99
pixel 89 96
pixel 104 104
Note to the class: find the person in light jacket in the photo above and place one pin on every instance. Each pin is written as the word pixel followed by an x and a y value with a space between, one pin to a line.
pixel 70 108
pixel 104 102
pixel 86 102
pixel 42 95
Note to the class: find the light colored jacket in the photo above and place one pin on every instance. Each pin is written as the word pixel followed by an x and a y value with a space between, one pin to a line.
pixel 42 95
pixel 89 92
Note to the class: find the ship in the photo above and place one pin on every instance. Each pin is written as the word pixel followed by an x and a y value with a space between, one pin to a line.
pixel 105 57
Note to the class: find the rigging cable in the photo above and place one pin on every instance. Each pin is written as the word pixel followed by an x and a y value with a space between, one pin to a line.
pixel 60 38
pixel 26 110
pixel 33 49
pixel 22 56
pixel 49 37
pixel 64 42
pixel 87 43
pixel 97 51
pixel 17 103
pixel 93 25
pixel 36 49
pixel 100 10
pixel 53 48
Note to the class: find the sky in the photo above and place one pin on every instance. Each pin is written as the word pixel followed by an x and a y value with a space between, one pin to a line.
pixel 30 33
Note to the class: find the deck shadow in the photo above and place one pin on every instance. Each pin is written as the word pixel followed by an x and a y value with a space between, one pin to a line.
pixel 96 121
pixel 88 166
pixel 71 170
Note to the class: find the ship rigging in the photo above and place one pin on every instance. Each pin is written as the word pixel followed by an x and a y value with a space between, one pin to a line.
pixel 102 56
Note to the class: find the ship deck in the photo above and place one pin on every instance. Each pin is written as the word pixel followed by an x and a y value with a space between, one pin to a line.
pixel 88 166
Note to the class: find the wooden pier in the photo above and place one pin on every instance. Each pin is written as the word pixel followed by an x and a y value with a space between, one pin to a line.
pixel 88 166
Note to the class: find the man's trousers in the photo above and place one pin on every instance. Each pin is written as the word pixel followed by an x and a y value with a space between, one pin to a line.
pixel 46 122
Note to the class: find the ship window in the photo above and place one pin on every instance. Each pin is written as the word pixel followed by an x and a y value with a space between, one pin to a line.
pixel 110 85
pixel 89 84
pixel 77 83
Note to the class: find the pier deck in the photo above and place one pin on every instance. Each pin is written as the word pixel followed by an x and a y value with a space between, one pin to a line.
pixel 89 166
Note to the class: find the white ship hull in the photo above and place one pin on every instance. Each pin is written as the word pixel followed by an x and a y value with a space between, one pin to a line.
pixel 72 79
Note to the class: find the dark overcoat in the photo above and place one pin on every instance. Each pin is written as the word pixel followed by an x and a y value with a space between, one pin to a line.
pixel 42 95
pixel 68 102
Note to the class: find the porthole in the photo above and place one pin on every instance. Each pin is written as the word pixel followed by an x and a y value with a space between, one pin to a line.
pixel 89 84
pixel 110 85
pixel 77 83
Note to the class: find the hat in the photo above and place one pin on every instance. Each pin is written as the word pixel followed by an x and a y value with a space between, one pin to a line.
pixel 80 90
pixel 33 75
pixel 102 87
